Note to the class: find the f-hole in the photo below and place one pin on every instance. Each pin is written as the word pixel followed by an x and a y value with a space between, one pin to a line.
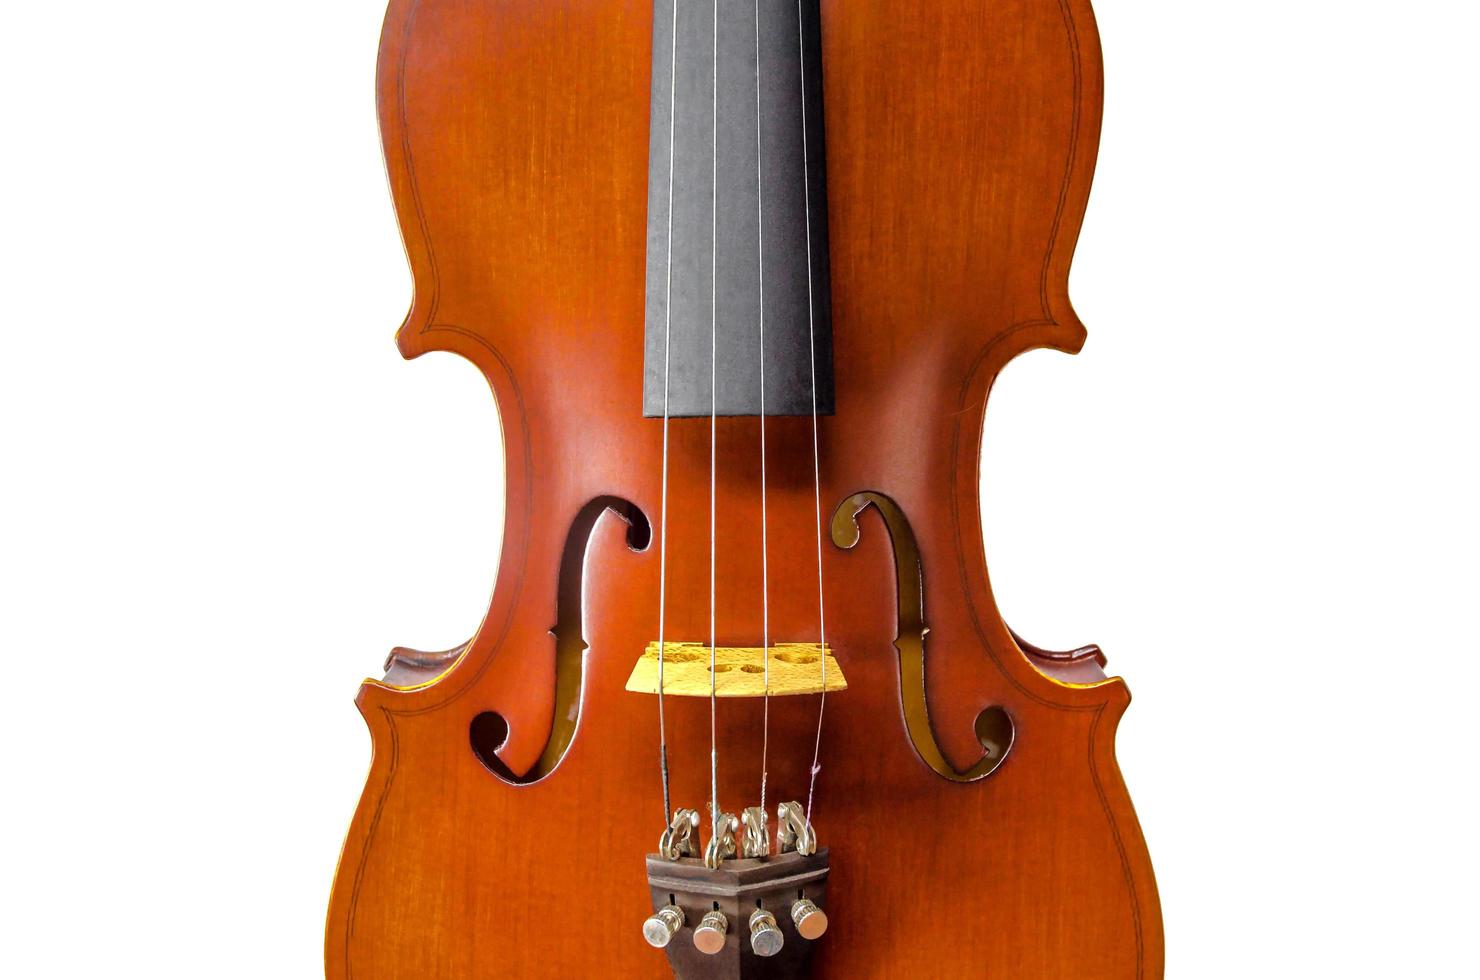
pixel 994 728
pixel 489 730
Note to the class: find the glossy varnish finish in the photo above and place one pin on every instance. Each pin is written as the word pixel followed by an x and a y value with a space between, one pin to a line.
pixel 961 139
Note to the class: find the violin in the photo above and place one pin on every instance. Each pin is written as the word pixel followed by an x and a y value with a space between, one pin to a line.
pixel 740 275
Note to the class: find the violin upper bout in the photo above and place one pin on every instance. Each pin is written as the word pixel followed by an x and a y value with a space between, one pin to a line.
pixel 522 204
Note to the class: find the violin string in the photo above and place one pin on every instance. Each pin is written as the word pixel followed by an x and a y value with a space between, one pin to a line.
pixel 713 410
pixel 816 455
pixel 663 506
pixel 761 290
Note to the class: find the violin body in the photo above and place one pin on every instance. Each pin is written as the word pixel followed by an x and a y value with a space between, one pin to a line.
pixel 514 787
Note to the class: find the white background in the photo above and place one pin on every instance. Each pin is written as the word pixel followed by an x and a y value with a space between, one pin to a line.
pixel 1255 488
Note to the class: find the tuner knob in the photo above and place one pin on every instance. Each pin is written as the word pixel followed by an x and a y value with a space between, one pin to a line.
pixel 765 938
pixel 811 921
pixel 709 937
pixel 660 927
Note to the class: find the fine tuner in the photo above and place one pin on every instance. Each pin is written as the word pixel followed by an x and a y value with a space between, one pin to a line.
pixel 793 833
pixel 766 937
pixel 776 896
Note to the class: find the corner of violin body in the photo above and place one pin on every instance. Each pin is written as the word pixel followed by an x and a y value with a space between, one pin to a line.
pixel 1070 332
pixel 390 70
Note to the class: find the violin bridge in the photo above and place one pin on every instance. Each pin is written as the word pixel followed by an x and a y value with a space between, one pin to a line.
pixel 739 672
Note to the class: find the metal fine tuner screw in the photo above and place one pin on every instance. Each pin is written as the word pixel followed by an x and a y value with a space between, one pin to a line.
pixel 765 938
pixel 660 927
pixel 811 921
pixel 709 937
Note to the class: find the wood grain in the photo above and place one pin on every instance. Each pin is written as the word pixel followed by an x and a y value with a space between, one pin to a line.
pixel 961 143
